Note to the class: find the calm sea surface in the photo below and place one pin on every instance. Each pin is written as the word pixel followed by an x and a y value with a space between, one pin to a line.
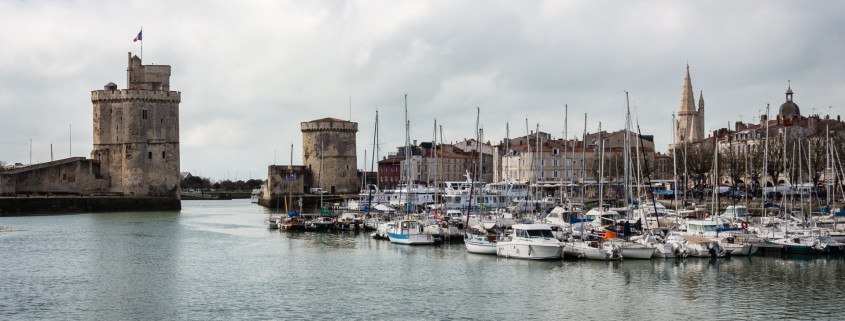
pixel 217 260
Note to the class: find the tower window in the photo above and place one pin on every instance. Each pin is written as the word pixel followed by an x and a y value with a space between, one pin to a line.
pixel 149 155
pixel 144 114
pixel 162 155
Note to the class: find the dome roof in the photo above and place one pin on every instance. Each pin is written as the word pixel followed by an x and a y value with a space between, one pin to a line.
pixel 789 108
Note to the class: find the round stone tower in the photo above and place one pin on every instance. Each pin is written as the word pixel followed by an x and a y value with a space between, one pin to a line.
pixel 329 151
pixel 136 132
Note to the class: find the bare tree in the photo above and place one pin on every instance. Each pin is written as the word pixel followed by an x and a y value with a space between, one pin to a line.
pixel 775 158
pixel 732 164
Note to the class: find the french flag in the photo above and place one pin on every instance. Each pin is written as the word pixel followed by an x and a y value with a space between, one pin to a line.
pixel 138 37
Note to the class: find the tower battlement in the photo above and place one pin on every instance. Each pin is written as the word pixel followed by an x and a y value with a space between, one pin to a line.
pixel 329 125
pixel 134 94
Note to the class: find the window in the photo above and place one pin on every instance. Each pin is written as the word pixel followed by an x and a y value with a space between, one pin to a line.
pixel 523 174
pixel 150 155
pixel 556 162
pixel 555 174
pixel 555 151
pixel 163 155
pixel 144 114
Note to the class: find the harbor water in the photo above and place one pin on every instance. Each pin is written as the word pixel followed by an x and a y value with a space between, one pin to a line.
pixel 218 260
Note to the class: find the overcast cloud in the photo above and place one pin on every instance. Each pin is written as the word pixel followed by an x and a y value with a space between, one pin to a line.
pixel 251 71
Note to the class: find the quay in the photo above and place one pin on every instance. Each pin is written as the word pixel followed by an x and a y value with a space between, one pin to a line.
pixel 85 204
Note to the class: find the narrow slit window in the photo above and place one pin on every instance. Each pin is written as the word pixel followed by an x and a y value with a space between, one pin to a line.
pixel 150 155
pixel 162 155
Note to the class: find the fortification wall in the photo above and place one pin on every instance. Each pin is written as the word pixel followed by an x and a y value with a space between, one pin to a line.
pixel 74 176
pixel 280 183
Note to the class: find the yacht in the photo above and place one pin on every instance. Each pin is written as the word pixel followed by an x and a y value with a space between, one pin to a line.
pixel 530 241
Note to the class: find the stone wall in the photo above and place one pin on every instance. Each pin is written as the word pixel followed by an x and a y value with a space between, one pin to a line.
pixel 72 176
pixel 281 182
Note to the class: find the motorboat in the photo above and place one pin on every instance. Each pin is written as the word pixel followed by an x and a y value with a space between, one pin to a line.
pixel 591 250
pixel 697 246
pixel 808 244
pixel 409 232
pixel 530 241
pixel 631 250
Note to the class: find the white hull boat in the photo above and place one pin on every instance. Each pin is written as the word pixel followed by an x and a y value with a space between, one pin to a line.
pixel 408 232
pixel 530 241
pixel 480 243
pixel 590 250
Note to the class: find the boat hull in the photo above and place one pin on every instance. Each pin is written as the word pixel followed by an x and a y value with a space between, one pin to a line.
pixel 584 251
pixel 410 239
pixel 637 253
pixel 478 247
pixel 529 251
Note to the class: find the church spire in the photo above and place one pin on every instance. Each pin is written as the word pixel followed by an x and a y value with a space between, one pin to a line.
pixel 688 101
pixel 701 101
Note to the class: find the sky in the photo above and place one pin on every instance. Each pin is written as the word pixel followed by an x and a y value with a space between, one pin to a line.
pixel 251 71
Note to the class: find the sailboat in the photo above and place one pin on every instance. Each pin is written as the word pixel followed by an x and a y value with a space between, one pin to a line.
pixel 292 222
pixel 583 248
pixel 408 231
pixel 477 240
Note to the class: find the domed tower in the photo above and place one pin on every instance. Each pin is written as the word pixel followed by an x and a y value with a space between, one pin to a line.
pixel 329 150
pixel 789 107
pixel 136 132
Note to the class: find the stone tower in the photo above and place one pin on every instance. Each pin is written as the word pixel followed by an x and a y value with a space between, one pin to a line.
pixel 332 142
pixel 690 126
pixel 136 132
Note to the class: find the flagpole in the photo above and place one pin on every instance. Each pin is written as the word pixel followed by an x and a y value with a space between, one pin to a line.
pixel 142 43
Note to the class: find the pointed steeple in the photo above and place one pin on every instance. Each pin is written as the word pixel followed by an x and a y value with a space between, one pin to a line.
pixel 687 101
pixel 701 101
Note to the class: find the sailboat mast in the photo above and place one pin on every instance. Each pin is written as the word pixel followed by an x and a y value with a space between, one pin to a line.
pixel 440 185
pixel 627 155
pixel 766 161
pixel 407 160
pixel 290 189
pixel 372 164
pixel 563 159
pixel 674 168
pixel 472 182
pixel 601 169
pixel 584 161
